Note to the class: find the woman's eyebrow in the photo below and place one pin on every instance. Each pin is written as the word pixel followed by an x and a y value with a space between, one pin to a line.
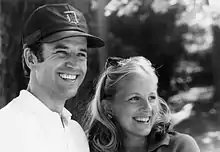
pixel 83 50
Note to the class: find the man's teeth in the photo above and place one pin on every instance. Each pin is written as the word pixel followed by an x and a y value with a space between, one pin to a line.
pixel 68 76
pixel 142 119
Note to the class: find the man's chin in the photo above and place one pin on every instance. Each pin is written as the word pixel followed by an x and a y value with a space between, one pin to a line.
pixel 71 95
pixel 67 90
pixel 66 94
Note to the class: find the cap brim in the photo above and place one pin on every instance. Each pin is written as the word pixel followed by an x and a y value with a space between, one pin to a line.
pixel 92 41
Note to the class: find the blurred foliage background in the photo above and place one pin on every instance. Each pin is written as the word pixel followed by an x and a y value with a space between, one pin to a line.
pixel 180 38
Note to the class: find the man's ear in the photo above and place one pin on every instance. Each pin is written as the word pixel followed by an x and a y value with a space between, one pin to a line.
pixel 30 58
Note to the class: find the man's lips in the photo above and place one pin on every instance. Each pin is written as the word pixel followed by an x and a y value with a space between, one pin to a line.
pixel 68 76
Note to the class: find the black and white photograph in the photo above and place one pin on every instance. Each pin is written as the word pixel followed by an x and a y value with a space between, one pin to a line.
pixel 109 75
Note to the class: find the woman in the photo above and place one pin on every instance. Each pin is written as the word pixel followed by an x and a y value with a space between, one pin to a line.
pixel 127 115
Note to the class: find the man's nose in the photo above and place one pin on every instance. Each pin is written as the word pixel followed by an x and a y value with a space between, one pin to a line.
pixel 71 61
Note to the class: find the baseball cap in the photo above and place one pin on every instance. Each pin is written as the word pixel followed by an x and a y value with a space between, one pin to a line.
pixel 53 22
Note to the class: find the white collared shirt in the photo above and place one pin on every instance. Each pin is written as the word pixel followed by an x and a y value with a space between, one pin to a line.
pixel 27 125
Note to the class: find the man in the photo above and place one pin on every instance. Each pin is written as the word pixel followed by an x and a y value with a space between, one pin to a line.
pixel 55 42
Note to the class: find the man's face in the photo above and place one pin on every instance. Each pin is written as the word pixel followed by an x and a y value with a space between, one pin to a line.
pixel 64 67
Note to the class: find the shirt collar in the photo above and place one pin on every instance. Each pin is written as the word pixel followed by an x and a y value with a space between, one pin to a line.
pixel 36 106
pixel 165 141
pixel 66 116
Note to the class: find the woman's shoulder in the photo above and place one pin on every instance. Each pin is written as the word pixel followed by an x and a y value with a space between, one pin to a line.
pixel 183 142
pixel 180 137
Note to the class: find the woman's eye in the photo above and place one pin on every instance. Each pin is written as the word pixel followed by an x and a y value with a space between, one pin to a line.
pixel 134 99
pixel 151 98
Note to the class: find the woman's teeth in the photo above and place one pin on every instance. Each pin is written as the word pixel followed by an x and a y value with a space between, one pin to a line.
pixel 142 119
pixel 67 76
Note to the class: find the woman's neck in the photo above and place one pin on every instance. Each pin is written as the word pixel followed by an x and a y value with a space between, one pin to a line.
pixel 135 144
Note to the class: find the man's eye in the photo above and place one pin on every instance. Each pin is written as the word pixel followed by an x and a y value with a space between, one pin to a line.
pixel 62 53
pixel 84 55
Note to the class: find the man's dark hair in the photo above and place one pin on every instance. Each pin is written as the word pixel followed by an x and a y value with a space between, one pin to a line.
pixel 37 50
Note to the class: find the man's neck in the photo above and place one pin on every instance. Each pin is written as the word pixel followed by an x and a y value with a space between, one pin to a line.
pixel 55 105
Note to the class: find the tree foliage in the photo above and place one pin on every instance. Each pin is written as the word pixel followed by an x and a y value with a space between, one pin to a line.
pixel 170 33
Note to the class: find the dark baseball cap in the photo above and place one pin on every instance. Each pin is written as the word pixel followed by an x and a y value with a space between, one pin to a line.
pixel 53 22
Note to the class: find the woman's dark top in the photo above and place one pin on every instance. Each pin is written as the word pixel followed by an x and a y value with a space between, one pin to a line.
pixel 175 142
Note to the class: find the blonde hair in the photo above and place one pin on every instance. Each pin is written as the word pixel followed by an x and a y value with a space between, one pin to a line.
pixel 104 133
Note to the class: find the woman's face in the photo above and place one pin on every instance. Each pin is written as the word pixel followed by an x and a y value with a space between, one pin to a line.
pixel 135 104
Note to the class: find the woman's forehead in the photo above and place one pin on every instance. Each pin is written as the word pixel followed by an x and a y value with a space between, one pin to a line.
pixel 136 83
pixel 136 77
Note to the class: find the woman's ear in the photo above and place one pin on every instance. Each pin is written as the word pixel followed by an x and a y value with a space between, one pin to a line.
pixel 30 58
pixel 107 107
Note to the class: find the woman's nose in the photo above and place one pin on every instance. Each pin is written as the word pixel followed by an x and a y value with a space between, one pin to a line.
pixel 146 105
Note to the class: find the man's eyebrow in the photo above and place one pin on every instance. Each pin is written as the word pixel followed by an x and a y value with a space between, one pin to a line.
pixel 61 46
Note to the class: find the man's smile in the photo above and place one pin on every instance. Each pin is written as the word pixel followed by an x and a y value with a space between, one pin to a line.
pixel 68 77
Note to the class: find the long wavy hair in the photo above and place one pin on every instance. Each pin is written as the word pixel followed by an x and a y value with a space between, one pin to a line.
pixel 104 132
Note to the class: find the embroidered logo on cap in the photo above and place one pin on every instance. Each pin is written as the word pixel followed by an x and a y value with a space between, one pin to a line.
pixel 71 16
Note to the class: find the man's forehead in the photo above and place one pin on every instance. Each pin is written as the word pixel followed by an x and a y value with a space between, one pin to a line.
pixel 73 40
pixel 68 43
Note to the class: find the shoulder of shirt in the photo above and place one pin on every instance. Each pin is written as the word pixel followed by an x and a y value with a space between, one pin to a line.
pixel 10 110
pixel 11 118
pixel 183 141
pixel 77 131
pixel 75 125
